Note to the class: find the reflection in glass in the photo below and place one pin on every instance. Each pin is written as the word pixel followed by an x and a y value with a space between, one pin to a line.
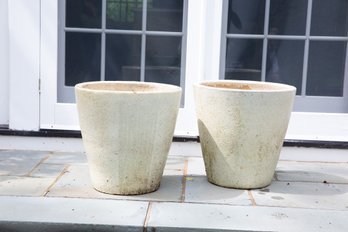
pixel 285 62
pixel 243 59
pixel 329 17
pixel 326 68
pixel 163 59
pixel 124 14
pixel 165 15
pixel 246 16
pixel 83 13
pixel 82 57
pixel 122 58
pixel 288 17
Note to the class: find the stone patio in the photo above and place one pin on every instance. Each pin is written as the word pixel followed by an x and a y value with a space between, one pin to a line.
pixel 51 191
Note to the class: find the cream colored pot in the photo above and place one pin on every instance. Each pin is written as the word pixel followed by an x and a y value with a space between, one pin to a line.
pixel 127 129
pixel 242 125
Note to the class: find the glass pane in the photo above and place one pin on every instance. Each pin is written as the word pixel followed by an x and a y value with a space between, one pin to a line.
pixel 83 13
pixel 285 62
pixel 288 17
pixel 122 61
pixel 164 15
pixel 243 59
pixel 82 57
pixel 246 16
pixel 329 17
pixel 326 68
pixel 163 59
pixel 124 14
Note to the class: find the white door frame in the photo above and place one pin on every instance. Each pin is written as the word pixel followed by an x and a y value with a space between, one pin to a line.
pixel 24 64
pixel 302 125
pixel 55 115
pixel 202 63
pixel 4 63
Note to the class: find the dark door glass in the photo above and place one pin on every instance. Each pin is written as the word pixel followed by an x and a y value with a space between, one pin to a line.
pixel 82 57
pixel 83 13
pixel 122 61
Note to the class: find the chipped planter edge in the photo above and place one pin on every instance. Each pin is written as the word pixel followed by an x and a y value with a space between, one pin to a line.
pixel 127 129
pixel 242 125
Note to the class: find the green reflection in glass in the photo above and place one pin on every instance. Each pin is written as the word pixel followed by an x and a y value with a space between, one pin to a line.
pixel 124 14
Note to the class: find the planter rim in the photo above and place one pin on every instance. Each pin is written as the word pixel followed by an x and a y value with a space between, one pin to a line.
pixel 126 87
pixel 245 86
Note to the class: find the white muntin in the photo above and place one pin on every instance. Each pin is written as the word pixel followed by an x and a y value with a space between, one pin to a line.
pixel 127 129
pixel 242 125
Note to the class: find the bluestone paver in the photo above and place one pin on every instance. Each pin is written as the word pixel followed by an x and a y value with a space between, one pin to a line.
pixel 309 193
pixel 176 163
pixel 67 158
pixel 198 189
pixel 314 154
pixel 195 166
pixel 76 183
pixel 48 170
pixel 20 163
pixel 114 215
pixel 303 195
pixel 24 186
pixel 185 149
pixel 206 217
pixel 312 172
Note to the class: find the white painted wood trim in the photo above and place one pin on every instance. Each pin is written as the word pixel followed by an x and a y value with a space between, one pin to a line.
pixel 24 64
pixel 211 27
pixel 49 62
pixel 186 123
pixel 318 126
pixel 4 63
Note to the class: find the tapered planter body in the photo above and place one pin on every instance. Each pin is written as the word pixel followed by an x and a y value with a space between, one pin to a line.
pixel 242 125
pixel 127 129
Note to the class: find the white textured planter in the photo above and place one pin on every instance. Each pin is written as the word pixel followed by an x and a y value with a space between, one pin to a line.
pixel 127 129
pixel 242 125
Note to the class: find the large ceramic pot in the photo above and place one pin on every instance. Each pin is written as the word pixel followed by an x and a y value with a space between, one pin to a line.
pixel 242 125
pixel 127 129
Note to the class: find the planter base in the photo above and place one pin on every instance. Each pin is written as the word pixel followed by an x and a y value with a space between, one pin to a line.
pixel 242 187
pixel 129 193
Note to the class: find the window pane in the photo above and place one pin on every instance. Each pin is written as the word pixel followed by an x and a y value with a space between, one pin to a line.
pixel 122 61
pixel 83 13
pixel 243 59
pixel 163 59
pixel 164 15
pixel 82 57
pixel 326 68
pixel 124 14
pixel 329 17
pixel 285 62
pixel 288 17
pixel 246 16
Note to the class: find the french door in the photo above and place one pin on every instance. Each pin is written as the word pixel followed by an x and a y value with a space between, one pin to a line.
pixel 181 42
pixel 96 40
pixel 302 43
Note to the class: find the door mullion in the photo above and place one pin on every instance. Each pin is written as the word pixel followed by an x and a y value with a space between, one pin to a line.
pixel 103 41
pixel 306 49
pixel 143 42
pixel 265 41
